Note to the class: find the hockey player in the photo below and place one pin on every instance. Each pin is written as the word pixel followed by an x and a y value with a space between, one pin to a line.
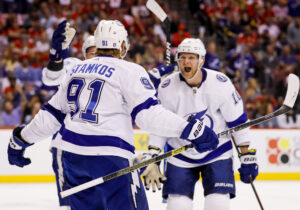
pixel 53 77
pixel 95 103
pixel 207 95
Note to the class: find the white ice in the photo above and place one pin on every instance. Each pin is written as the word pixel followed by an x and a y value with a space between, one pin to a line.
pixel 275 195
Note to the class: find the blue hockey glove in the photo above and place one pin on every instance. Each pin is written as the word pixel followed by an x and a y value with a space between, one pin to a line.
pixel 16 149
pixel 249 166
pixel 61 39
pixel 202 137
pixel 157 73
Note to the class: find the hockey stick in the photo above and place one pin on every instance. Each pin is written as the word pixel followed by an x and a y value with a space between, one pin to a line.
pixel 290 98
pixel 154 7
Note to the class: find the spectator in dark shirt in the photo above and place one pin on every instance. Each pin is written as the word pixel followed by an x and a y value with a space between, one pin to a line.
pixel 235 63
pixel 211 59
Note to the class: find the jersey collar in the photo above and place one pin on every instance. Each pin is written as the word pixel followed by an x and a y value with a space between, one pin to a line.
pixel 105 56
pixel 204 75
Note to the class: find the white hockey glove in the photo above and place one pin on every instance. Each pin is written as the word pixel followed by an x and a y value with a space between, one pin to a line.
pixel 152 175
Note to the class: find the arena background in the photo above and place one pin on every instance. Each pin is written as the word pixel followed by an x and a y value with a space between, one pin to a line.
pixel 255 43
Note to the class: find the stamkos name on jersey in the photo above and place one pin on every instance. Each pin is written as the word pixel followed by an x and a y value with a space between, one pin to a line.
pixel 101 69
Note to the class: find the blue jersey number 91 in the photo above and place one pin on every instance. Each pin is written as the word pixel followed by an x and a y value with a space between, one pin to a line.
pixel 74 91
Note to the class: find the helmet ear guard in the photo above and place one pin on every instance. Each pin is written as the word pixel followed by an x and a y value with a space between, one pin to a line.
pixel 88 42
pixel 110 34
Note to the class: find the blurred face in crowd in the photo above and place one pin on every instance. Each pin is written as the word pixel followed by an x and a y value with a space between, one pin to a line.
pixel 212 47
pixel 91 52
pixel 188 64
pixel 297 20
pixel 286 50
pixel 8 107
pixel 9 95
pixel 12 81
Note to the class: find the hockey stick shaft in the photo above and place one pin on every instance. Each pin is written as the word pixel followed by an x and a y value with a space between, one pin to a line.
pixel 292 93
pixel 171 153
pixel 156 9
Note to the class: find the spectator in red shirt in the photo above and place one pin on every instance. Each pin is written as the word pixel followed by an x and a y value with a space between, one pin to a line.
pixel 248 37
pixel 180 35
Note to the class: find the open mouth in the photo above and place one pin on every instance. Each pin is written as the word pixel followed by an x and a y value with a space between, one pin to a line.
pixel 187 69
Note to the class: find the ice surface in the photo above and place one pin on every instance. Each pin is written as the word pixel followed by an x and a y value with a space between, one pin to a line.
pixel 275 195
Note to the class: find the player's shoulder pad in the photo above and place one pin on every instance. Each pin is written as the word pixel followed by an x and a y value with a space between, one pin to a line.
pixel 132 68
pixel 71 59
pixel 218 81
pixel 216 76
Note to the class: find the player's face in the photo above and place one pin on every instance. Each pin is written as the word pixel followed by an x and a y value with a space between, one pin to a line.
pixel 91 52
pixel 188 64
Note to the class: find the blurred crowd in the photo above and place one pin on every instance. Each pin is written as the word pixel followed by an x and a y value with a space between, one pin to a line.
pixel 255 40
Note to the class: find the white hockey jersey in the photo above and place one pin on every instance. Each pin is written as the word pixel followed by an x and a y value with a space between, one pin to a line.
pixel 215 101
pixel 95 105
pixel 54 78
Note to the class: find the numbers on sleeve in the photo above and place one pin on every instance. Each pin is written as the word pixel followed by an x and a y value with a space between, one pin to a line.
pixel 74 91
pixel 147 84
pixel 236 97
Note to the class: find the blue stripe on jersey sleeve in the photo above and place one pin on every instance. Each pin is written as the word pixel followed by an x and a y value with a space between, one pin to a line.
pixel 242 119
pixel 55 112
pixel 145 105
pixel 212 155
pixel 93 140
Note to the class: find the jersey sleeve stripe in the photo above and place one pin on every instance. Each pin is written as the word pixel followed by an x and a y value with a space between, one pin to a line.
pixel 145 105
pixel 55 112
pixel 242 119
pixel 94 140
pixel 210 156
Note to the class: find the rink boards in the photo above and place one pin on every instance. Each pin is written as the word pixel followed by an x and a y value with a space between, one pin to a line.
pixel 278 152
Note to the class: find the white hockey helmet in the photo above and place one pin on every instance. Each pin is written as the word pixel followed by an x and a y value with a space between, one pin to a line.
pixel 88 42
pixel 110 34
pixel 191 45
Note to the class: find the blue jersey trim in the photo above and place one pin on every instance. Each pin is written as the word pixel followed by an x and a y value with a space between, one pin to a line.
pixel 145 105
pixel 212 155
pixel 242 119
pixel 93 140
pixel 55 112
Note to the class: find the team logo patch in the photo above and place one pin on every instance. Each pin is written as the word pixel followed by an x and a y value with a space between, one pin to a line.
pixel 221 78
pixel 166 83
